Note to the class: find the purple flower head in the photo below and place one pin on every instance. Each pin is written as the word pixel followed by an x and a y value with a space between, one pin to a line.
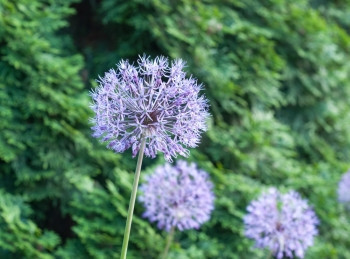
pixel 178 196
pixel 152 100
pixel 283 223
pixel 344 189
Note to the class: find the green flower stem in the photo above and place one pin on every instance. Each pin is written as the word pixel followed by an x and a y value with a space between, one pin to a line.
pixel 169 240
pixel 132 200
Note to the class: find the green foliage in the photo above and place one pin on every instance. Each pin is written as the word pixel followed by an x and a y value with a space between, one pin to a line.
pixel 20 236
pixel 277 77
pixel 44 139
pixel 100 215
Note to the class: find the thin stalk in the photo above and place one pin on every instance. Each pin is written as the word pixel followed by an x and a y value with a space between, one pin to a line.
pixel 132 200
pixel 168 242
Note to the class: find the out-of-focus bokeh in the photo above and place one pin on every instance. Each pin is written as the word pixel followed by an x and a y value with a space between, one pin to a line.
pixel 276 72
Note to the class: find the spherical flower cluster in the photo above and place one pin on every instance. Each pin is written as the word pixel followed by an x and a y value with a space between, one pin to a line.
pixel 178 196
pixel 283 223
pixel 152 100
pixel 344 189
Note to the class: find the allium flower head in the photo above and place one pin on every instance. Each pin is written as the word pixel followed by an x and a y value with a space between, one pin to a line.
pixel 283 223
pixel 344 189
pixel 178 196
pixel 154 100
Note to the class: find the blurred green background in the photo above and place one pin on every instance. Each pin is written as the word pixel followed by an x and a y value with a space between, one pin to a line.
pixel 276 72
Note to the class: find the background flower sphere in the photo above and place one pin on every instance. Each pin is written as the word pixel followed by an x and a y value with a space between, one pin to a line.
pixel 283 223
pixel 153 100
pixel 344 189
pixel 178 196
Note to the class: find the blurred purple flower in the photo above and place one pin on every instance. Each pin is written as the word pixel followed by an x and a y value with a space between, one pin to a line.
pixel 154 100
pixel 283 223
pixel 344 189
pixel 178 196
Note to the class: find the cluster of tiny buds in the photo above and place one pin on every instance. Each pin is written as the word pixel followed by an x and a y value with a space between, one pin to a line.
pixel 283 223
pixel 152 100
pixel 178 196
